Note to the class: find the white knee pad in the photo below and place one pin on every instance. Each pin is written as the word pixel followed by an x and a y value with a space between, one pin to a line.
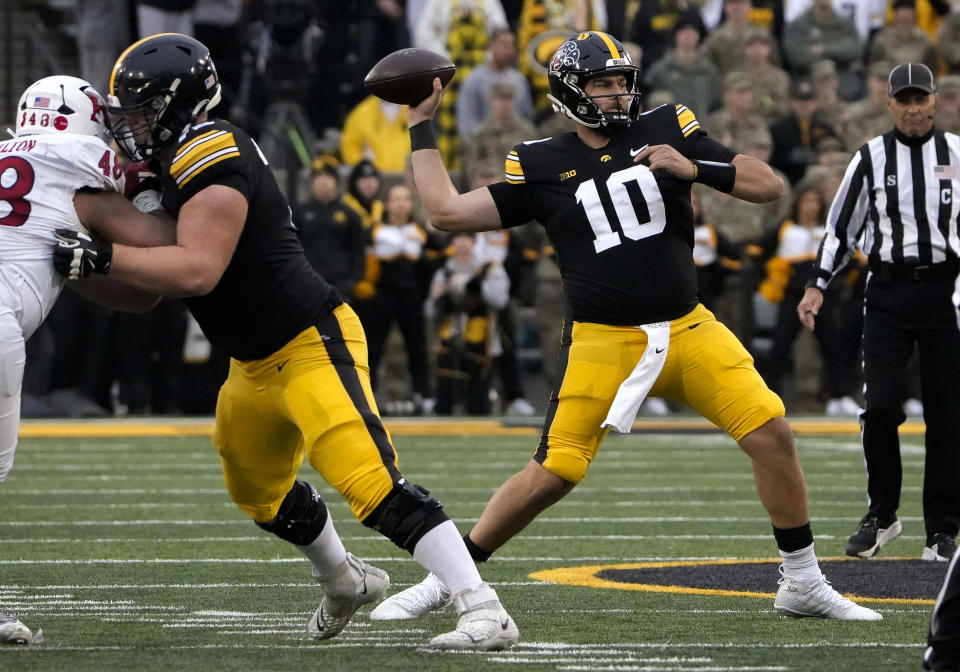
pixel 12 360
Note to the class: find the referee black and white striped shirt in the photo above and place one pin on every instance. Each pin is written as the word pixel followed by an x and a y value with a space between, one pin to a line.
pixel 898 193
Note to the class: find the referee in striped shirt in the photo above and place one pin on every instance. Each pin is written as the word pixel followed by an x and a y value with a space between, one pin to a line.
pixel 900 200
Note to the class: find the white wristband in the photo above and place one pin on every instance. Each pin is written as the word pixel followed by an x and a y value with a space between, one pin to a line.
pixel 147 201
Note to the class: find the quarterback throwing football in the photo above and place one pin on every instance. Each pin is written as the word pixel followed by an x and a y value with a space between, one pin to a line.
pixel 614 197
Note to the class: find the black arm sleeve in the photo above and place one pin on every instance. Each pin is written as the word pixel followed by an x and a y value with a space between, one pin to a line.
pixel 516 203
pixel 701 146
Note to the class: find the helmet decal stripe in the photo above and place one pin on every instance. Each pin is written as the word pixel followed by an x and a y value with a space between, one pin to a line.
pixel 113 74
pixel 614 52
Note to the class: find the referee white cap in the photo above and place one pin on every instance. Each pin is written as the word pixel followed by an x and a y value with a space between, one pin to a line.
pixel 911 76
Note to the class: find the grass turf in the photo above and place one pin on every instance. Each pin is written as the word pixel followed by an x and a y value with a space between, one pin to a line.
pixel 129 555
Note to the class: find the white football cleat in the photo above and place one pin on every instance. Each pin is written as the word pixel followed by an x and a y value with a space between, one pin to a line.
pixel 350 585
pixel 484 625
pixel 800 599
pixel 417 600
pixel 12 631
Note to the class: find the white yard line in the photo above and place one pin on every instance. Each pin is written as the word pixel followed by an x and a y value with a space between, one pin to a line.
pixel 564 520
pixel 372 537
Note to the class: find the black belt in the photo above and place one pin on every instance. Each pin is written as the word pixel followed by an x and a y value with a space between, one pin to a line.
pixel 917 272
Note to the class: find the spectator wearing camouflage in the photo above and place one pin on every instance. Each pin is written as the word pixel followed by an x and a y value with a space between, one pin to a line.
pixel 821 33
pixel 830 109
pixel 869 117
pixel 684 71
pixel 724 46
pixel 473 103
pixel 830 161
pixel 658 97
pixel 949 43
pixel 493 138
pixel 759 145
pixel 903 41
pixel 948 112
pixel 771 83
pixel 738 220
pixel 738 116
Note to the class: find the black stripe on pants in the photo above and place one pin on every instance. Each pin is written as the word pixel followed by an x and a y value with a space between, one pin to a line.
pixel 332 335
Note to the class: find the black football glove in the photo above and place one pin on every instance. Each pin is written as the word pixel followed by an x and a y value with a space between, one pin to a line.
pixel 77 255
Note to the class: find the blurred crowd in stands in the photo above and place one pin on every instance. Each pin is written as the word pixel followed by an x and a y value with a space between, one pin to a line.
pixel 800 84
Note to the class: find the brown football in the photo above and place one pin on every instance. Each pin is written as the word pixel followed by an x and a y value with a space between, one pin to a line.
pixel 406 76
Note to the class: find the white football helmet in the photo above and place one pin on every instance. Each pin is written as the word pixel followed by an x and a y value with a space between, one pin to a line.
pixel 62 104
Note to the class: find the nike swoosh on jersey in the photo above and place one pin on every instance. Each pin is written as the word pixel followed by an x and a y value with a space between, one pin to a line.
pixel 634 152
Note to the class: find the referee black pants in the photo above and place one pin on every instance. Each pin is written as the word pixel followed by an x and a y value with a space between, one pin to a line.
pixel 900 312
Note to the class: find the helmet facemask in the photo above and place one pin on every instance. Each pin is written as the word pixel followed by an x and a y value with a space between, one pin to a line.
pixel 142 130
pixel 585 108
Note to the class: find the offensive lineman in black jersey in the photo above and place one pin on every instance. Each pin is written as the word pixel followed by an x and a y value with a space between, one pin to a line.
pixel 299 383
pixel 614 198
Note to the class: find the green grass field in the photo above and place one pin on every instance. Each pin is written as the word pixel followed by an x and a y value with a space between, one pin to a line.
pixel 130 556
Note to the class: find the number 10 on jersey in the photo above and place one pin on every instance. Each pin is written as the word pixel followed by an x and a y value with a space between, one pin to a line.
pixel 641 214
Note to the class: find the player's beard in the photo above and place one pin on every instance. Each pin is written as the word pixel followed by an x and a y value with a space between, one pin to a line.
pixel 610 130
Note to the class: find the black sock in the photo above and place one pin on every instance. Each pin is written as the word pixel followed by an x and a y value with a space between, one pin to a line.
pixel 477 553
pixel 793 538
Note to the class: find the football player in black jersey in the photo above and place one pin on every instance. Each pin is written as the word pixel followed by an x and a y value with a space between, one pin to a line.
pixel 614 198
pixel 299 384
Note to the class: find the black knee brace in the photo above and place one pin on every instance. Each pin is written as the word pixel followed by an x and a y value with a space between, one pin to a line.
pixel 406 514
pixel 301 517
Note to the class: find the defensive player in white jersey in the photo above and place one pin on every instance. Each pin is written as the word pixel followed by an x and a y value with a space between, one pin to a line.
pixel 57 171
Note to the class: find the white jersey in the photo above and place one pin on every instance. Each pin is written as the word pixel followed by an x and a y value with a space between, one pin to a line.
pixel 39 175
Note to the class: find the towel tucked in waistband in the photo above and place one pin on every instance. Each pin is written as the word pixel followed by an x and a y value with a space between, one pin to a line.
pixel 633 390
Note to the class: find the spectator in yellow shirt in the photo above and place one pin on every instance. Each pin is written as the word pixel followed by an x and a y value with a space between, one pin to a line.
pixel 376 130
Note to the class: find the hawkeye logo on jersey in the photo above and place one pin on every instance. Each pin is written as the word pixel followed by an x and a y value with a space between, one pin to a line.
pixel 567 175
pixel 605 158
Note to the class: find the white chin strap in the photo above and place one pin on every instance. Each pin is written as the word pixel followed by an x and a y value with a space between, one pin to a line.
pixel 564 110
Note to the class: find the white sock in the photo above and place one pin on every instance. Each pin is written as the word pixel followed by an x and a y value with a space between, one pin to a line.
pixel 801 565
pixel 442 552
pixel 326 551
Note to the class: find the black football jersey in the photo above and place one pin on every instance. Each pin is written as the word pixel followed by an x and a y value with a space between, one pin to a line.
pixel 269 292
pixel 623 234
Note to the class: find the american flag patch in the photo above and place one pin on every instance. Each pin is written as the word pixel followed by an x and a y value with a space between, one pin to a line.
pixel 41 101
pixel 209 81
pixel 945 172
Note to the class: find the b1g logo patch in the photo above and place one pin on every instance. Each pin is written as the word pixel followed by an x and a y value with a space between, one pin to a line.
pixel 567 55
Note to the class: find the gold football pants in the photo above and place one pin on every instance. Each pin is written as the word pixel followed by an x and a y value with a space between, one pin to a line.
pixel 706 368
pixel 312 397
